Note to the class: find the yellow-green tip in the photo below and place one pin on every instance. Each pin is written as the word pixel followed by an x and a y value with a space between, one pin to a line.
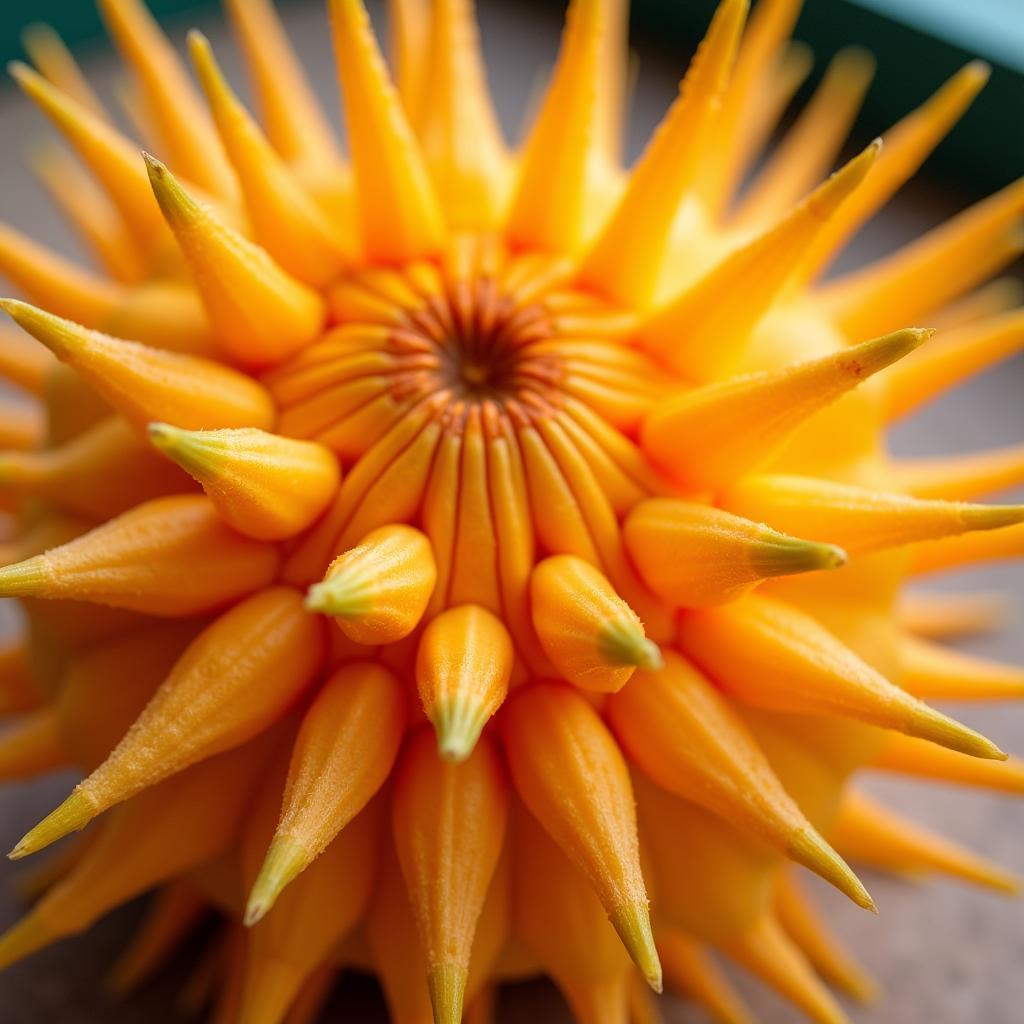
pixel 447 984
pixel 622 642
pixel 188 448
pixel 786 556
pixel 928 724
pixel 458 723
pixel 338 595
pixel 73 815
pixel 23 579
pixel 58 335
pixel 177 206
pixel 632 922
pixel 286 860
pixel 809 848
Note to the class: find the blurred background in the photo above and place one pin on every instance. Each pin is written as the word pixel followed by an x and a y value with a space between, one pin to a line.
pixel 944 954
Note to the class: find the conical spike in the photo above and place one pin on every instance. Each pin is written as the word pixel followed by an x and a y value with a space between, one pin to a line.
pixel 907 756
pixel 463 664
pixel 260 313
pixel 858 519
pixel 290 112
pixel 265 486
pixel 810 147
pixel 709 436
pixel 962 477
pixel 55 282
pixel 772 655
pixel 695 555
pixel 931 271
pixel 409 21
pixel 593 638
pixel 614 81
pixel 702 332
pixel 113 159
pixel 264 652
pixel 627 260
pixel 806 927
pixel 952 358
pixel 934 672
pixel 93 216
pixel 969 549
pixel 996 297
pixel 55 63
pixel 457 126
pixel 572 777
pixel 344 752
pixel 449 826
pixel 24 362
pixel 31 747
pixel 378 591
pixel 171 101
pixel 939 616
pixel 690 970
pixel 171 556
pixel 873 834
pixel 683 734
pixel 554 174
pixel 765 950
pixel 398 209
pixel 286 221
pixel 145 384
pixel 907 145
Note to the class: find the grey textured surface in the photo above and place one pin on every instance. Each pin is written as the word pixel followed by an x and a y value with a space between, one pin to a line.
pixel 944 954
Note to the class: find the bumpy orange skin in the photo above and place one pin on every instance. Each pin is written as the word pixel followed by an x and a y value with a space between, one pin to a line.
pixel 544 595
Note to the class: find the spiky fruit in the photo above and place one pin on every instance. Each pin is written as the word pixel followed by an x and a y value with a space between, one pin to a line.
pixel 542 598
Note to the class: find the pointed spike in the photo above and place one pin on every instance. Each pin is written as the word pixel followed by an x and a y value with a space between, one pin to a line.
pixel 907 145
pixel 145 384
pixel 56 64
pixel 968 549
pixel 32 746
pixel 447 984
pixel 409 46
pixel 24 938
pixel 550 197
pixel 171 100
pixel 259 312
pixel 858 519
pixel 463 665
pixel 457 126
pixel 286 859
pixel 952 358
pixel 290 112
pixel 939 616
pixel 400 215
pixel 993 299
pixel 24 362
pixel 593 638
pixel 877 836
pixel 908 756
pixel 627 260
pixel 614 82
pixel 296 232
pixel 702 332
pixel 690 970
pixel 709 436
pixel 71 816
pixel 963 477
pixel 55 282
pixel 633 925
pixel 112 158
pixel 935 672
pixel 265 486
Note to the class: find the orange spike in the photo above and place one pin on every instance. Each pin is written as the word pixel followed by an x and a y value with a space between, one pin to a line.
pixel 260 313
pixel 868 832
pixel 935 672
pixel 937 616
pixel 706 437
pixel 858 519
pixel 263 653
pixel 265 486
pixel 286 221
pixel 963 477
pixel 291 114
pixel 145 384
pixel 56 64
pixel 970 549
pixel 24 362
pixel 409 45
pixel 449 825
pixel 31 747
pixel 907 145
pixel 463 664
pixel 182 124
pixel 918 758
pixel 686 737
pixel 952 358
pixel 400 216
pixel 171 556
pixel 572 777
pixel 772 655
pixel 55 282
pixel 457 126
pixel 343 754
pixel 996 297
pixel 702 332
pixel 112 158
pixel 627 260
pixel 690 970
pixel 554 173
pixel 929 272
